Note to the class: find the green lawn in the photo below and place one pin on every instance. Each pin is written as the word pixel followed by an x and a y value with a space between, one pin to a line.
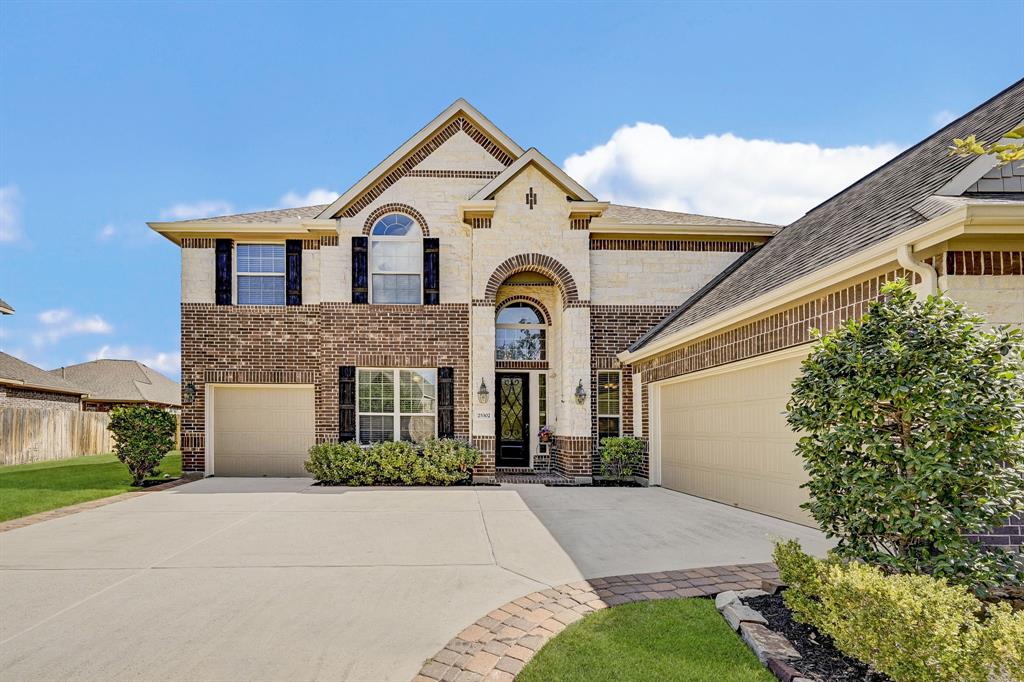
pixel 675 639
pixel 31 488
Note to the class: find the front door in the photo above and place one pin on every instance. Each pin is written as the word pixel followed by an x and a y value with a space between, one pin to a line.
pixel 513 416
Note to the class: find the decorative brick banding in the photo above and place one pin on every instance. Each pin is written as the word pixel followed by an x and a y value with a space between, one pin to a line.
pixel 423 151
pixel 527 299
pixel 497 646
pixel 381 211
pixel 669 245
pixel 978 263
pixel 533 262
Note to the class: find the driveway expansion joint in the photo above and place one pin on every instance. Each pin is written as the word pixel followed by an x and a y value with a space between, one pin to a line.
pixel 498 645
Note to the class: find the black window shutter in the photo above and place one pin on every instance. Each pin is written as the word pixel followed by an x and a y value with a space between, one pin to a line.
pixel 360 290
pixel 445 402
pixel 293 271
pixel 431 271
pixel 223 258
pixel 346 403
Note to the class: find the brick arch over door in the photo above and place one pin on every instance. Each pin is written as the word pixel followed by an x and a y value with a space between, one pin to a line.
pixel 381 211
pixel 533 262
pixel 516 298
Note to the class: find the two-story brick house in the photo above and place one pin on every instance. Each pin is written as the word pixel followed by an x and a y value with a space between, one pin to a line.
pixel 465 287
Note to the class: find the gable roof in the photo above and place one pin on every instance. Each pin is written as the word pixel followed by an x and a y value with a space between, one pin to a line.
pixel 6 308
pixel 15 372
pixel 121 381
pixel 533 157
pixel 876 207
pixel 408 154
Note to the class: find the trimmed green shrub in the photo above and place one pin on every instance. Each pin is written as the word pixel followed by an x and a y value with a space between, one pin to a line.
pixel 913 628
pixel 621 457
pixel 437 462
pixel 912 423
pixel 142 436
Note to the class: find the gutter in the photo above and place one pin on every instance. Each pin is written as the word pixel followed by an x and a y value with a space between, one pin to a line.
pixel 929 278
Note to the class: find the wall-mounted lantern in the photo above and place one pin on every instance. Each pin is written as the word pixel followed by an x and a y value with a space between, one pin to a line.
pixel 188 395
pixel 482 393
pixel 581 393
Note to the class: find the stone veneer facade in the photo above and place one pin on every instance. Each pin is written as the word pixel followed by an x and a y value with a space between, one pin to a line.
pixel 598 294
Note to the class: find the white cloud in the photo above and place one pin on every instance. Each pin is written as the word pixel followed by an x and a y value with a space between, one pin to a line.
pixel 62 322
pixel 313 197
pixel 10 214
pixel 106 232
pixel 168 363
pixel 198 209
pixel 942 118
pixel 721 175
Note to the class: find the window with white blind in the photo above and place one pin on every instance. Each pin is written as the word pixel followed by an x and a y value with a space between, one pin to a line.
pixel 260 274
pixel 396 404
pixel 396 260
pixel 609 404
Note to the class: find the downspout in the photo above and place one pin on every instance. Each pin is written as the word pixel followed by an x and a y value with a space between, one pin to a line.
pixel 929 278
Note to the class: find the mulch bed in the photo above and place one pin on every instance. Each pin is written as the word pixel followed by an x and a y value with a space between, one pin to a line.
pixel 820 659
pixel 613 483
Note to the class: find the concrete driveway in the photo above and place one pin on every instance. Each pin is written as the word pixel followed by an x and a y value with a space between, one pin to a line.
pixel 272 579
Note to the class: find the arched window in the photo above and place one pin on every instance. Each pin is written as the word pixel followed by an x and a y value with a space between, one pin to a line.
pixel 519 333
pixel 396 260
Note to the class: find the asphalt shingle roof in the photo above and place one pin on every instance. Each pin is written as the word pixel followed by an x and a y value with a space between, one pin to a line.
pixel 122 381
pixel 875 208
pixel 281 215
pixel 635 215
pixel 18 372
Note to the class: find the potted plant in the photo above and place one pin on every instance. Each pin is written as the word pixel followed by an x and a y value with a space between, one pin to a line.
pixel 545 434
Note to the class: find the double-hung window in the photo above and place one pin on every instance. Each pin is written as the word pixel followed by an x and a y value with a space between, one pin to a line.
pixel 396 404
pixel 396 260
pixel 260 269
pixel 609 404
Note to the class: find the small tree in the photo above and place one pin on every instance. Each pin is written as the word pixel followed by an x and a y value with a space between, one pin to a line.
pixel 913 420
pixel 142 436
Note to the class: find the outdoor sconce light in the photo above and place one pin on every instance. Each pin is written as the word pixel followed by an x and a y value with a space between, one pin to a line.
pixel 482 394
pixel 189 394
pixel 581 393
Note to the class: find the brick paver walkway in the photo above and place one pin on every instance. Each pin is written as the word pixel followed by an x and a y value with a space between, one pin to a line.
pixel 91 504
pixel 497 646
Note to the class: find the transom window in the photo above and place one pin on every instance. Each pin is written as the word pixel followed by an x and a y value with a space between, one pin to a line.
pixel 396 260
pixel 609 405
pixel 396 404
pixel 260 277
pixel 519 333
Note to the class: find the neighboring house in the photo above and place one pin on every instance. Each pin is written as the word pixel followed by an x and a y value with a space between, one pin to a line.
pixel 465 287
pixel 111 383
pixel 716 374
pixel 5 308
pixel 25 385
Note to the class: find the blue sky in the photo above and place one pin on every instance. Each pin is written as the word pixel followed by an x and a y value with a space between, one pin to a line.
pixel 115 114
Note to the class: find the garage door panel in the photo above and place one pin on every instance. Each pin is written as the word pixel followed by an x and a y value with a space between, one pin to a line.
pixel 725 437
pixel 262 430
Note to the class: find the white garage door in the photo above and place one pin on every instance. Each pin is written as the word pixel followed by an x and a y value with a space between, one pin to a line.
pixel 724 437
pixel 262 430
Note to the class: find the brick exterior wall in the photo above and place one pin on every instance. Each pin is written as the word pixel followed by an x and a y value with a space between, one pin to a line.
pixel 306 344
pixel 792 326
pixel 26 397
pixel 614 328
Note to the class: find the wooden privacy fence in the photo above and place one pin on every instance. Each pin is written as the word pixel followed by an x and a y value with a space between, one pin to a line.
pixel 37 434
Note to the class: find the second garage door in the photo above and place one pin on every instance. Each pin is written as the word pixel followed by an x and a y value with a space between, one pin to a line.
pixel 262 430
pixel 724 437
